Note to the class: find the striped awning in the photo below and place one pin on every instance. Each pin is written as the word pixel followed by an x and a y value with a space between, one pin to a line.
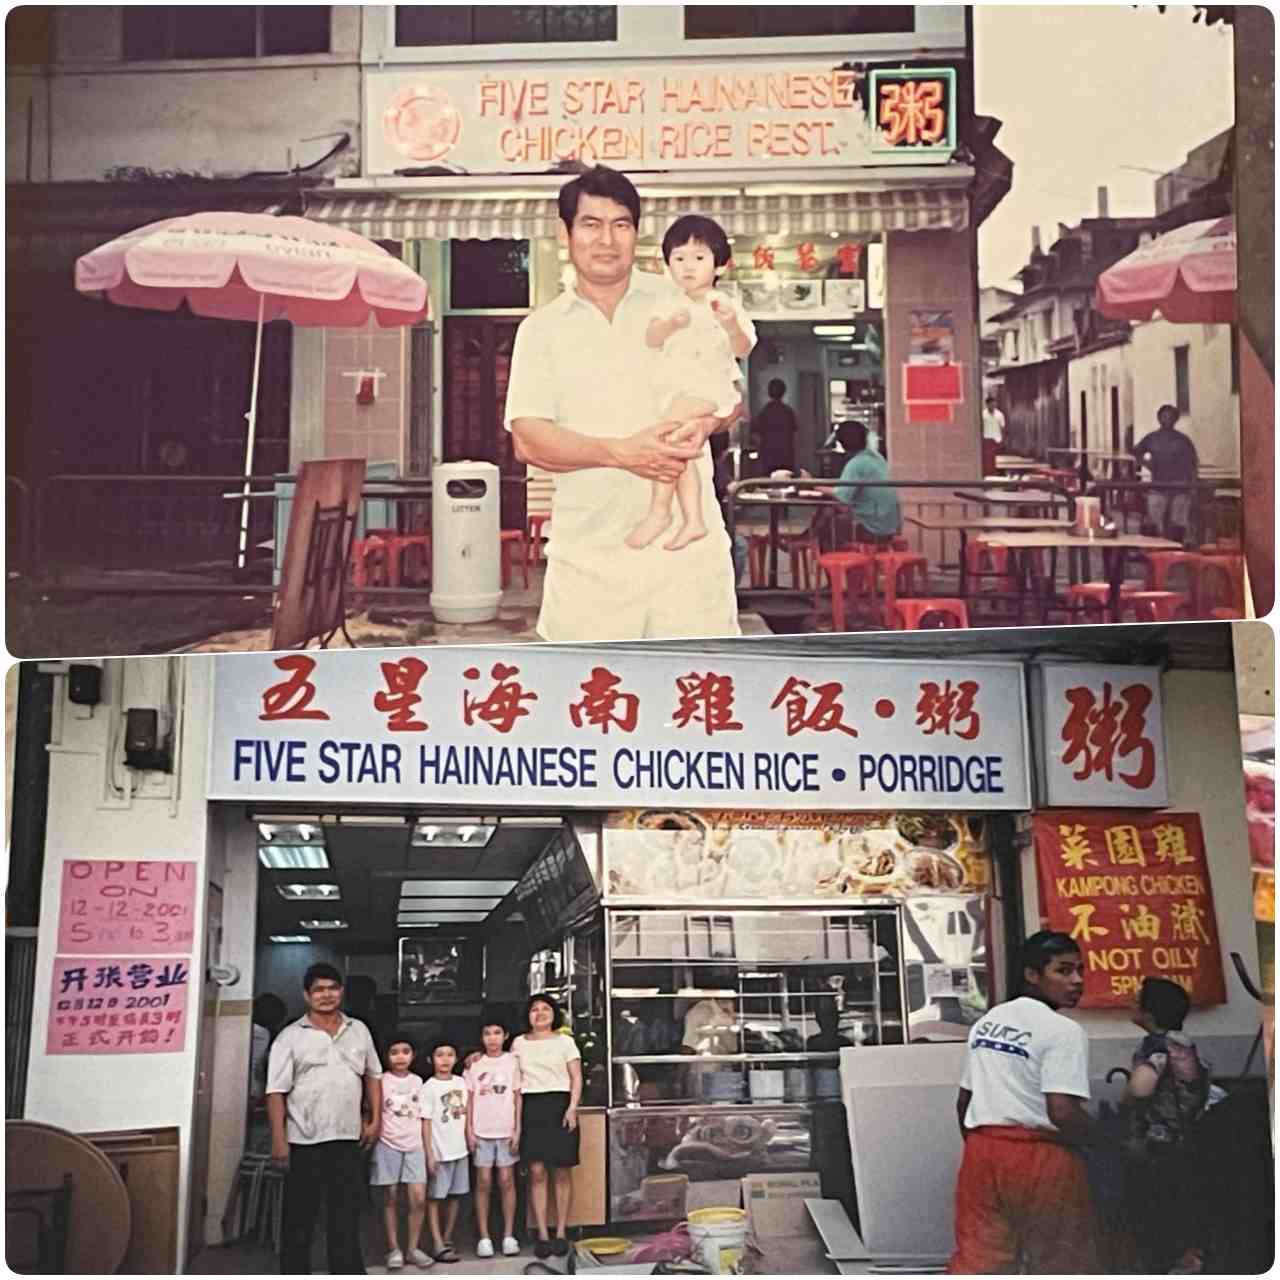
pixel 388 216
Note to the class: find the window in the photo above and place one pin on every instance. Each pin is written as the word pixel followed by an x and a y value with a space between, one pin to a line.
pixel 737 21
pixel 436 24
pixel 28 36
pixel 488 275
pixel 1182 378
pixel 155 32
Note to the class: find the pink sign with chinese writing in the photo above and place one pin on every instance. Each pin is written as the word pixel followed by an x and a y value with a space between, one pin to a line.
pixel 104 1005
pixel 127 907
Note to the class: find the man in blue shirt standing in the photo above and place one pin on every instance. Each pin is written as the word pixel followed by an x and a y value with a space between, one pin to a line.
pixel 876 514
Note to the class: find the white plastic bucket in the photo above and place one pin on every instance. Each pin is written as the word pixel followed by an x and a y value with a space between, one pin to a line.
pixel 719 1238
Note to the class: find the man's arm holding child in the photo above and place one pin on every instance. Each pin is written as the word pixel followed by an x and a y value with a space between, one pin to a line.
pixel 648 454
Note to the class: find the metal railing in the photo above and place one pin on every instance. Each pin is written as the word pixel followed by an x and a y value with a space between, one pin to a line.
pixel 185 525
pixel 789 489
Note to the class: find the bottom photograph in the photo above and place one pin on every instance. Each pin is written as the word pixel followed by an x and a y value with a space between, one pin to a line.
pixel 817 955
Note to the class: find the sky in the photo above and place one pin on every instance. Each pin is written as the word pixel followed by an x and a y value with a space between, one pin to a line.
pixel 1083 92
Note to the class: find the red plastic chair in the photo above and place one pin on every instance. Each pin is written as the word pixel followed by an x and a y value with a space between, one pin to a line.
pixel 839 567
pixel 369 563
pixel 399 545
pixel 1163 565
pixel 537 533
pixel 909 615
pixel 1221 585
pixel 514 542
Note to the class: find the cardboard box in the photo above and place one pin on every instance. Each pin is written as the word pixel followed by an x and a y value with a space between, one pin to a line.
pixel 721 1194
pixel 775 1203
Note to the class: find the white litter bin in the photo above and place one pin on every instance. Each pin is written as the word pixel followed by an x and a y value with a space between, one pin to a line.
pixel 466 547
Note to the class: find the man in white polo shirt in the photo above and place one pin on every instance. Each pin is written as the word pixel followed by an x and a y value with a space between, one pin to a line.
pixel 319 1068
pixel 1022 1199
pixel 581 402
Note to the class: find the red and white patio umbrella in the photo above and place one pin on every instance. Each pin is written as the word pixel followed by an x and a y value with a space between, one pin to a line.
pixel 259 267
pixel 1188 275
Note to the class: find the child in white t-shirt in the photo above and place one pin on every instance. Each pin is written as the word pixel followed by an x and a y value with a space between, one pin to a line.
pixel 444 1111
pixel 399 1154
pixel 699 345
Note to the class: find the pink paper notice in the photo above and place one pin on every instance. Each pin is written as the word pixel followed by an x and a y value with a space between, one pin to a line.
pixel 127 907
pixel 103 1005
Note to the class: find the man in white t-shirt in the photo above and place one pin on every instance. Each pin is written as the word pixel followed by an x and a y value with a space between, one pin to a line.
pixel 992 435
pixel 1022 1199
pixel 582 402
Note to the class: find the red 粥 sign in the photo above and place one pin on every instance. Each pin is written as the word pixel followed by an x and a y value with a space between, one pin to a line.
pixel 1133 890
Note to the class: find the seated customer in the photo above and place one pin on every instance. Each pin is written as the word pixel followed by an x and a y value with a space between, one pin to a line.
pixel 876 514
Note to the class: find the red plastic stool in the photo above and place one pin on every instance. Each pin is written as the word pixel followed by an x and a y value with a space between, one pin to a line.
pixel 1159 606
pixel 369 560
pixel 1161 566
pixel 537 531
pixel 514 542
pixel 1084 596
pixel 987 568
pixel 1220 613
pixel 397 545
pixel 899 570
pixel 911 613
pixel 839 566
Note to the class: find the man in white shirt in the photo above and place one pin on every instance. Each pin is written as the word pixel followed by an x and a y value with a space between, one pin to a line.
pixel 992 436
pixel 582 402
pixel 318 1070
pixel 1022 1199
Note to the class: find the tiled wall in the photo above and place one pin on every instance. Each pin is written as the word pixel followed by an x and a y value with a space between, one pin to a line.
pixel 377 431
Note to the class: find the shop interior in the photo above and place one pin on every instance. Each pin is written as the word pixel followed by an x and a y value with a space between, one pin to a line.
pixel 710 1036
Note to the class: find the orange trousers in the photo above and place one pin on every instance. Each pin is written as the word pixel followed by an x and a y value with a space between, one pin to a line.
pixel 1022 1205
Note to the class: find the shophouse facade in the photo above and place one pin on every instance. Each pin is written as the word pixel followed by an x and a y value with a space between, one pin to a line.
pixel 205 815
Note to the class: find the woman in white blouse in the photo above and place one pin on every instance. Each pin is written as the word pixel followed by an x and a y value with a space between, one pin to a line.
pixel 551 1088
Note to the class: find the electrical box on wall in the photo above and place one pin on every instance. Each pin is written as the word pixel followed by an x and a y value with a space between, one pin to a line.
pixel 84 684
pixel 142 746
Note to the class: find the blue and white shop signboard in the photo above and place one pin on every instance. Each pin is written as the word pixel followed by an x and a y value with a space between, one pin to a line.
pixel 595 729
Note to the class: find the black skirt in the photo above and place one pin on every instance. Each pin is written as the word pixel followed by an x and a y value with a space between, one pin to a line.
pixel 543 1137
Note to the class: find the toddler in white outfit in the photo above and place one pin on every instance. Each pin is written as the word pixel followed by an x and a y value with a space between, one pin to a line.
pixel 700 344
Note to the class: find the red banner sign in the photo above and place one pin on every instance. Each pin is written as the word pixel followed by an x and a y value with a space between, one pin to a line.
pixel 127 907
pixel 1133 889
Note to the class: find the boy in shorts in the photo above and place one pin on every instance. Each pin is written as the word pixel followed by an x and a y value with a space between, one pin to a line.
pixel 444 1114
pixel 399 1155
pixel 493 1132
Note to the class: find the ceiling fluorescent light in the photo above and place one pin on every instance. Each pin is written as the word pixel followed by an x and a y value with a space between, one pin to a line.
pixel 449 904
pixel 835 330
pixel 372 820
pixel 294 831
pixel 333 923
pixel 453 833
pixel 301 892
pixel 290 937
pixel 440 917
pixel 293 857
pixel 455 888
pixel 534 820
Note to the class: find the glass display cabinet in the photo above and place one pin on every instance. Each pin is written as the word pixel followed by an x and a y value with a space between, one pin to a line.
pixel 747 1007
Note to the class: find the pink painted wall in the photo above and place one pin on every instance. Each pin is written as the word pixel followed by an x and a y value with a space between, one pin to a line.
pixel 377 431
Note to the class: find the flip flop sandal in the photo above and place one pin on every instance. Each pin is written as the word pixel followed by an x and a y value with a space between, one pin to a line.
pixel 560 1247
pixel 447 1254
pixel 542 1248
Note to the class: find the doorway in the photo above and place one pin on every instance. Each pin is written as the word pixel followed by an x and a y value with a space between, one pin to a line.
pixel 477 367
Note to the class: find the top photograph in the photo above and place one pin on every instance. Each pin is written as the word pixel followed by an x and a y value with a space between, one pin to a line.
pixel 399 325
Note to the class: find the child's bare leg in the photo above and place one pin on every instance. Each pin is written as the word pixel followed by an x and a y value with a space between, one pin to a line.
pixel 390 1212
pixel 658 517
pixel 507 1182
pixel 433 1224
pixel 689 486
pixel 452 1206
pixel 689 495
pixel 484 1181
pixel 417 1208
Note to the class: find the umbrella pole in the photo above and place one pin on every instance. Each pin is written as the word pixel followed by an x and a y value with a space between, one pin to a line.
pixel 252 415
